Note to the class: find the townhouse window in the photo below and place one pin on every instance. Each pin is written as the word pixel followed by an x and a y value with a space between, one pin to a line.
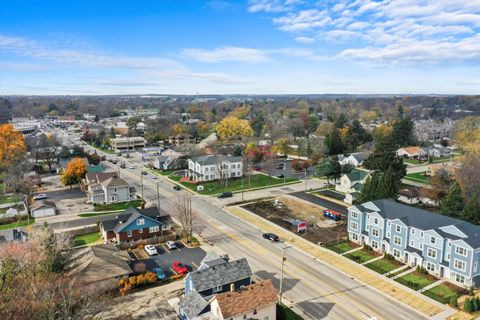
pixel 115 190
pixel 129 233
pixel 475 265
pixel 397 240
pixel 448 257
pixel 459 278
pixel 432 253
pixel 375 220
pixel 412 243
pixel 396 253
pixel 433 240
pixel 354 236
pixel 153 229
pixel 374 244
pixel 421 246
pixel 421 234
pixel 413 231
pixel 354 225
pixel 460 265
pixel 140 222
pixel 430 266
pixel 388 235
pixel 354 215
pixel 217 289
pixel 398 228
pixel 461 251
pixel 375 232
pixel 389 223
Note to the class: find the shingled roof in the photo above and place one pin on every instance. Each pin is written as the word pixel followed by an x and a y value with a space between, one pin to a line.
pixel 255 296
pixel 130 214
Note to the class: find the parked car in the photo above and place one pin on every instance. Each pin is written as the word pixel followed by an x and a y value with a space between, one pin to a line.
pixel 114 161
pixel 179 268
pixel 40 196
pixel 280 165
pixel 153 177
pixel 271 236
pixel 160 274
pixel 177 187
pixel 225 195
pixel 151 250
pixel 281 176
pixel 171 245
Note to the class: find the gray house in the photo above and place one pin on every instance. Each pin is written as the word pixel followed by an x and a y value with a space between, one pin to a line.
pixel 446 247
pixel 106 187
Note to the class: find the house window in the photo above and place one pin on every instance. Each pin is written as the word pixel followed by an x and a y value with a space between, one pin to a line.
pixel 140 222
pixel 396 253
pixel 421 246
pixel 244 317
pixel 421 234
pixel 354 215
pixel 448 257
pixel 354 225
pixel 375 220
pixel 115 190
pixel 254 311
pixel 388 235
pixel 398 228
pixel 375 232
pixel 459 278
pixel 217 289
pixel 129 233
pixel 430 267
pixel 413 231
pixel 354 236
pixel 432 253
pixel 389 223
pixel 412 243
pixel 397 240
pixel 374 244
pixel 433 240
pixel 461 251
pixel 153 229
pixel 460 265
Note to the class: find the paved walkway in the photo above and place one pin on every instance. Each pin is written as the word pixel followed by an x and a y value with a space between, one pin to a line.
pixel 372 260
pixel 430 286
pixel 384 285
pixel 396 270
pixel 353 250
pixel 403 273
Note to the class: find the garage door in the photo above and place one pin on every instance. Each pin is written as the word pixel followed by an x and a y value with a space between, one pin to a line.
pixel 43 213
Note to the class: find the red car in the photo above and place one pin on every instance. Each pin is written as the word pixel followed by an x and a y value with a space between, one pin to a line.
pixel 179 268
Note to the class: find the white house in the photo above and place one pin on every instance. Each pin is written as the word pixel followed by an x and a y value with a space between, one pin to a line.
pixel 355 159
pixel 106 187
pixel 351 184
pixel 413 152
pixel 209 168
pixel 43 208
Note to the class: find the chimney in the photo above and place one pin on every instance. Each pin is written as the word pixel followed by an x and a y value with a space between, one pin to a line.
pixel 142 204
pixel 232 287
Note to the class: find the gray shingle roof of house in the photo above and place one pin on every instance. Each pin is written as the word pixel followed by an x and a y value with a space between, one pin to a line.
pixel 192 304
pixel 212 259
pixel 221 274
pixel 426 220
pixel 209 159
pixel 115 182
pixel 357 175
pixel 360 156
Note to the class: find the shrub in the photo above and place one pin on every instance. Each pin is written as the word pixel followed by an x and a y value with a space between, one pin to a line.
pixel 475 305
pixel 367 247
pixel 453 301
pixel 467 305
pixel 470 291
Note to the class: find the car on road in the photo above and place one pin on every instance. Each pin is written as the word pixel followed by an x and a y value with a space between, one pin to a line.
pixel 171 245
pixel 281 176
pixel 179 268
pixel 177 187
pixel 144 173
pixel 271 236
pixel 132 166
pixel 280 166
pixel 151 250
pixel 160 274
pixel 225 195
pixel 40 196
pixel 153 177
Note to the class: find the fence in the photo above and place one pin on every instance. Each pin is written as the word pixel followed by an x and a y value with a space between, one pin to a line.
pixel 171 235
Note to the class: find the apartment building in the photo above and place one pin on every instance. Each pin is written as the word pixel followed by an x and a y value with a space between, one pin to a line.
pixel 127 143
pixel 446 247
pixel 208 168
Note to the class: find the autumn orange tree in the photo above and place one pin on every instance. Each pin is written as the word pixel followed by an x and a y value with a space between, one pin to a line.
pixel 74 172
pixel 233 127
pixel 12 145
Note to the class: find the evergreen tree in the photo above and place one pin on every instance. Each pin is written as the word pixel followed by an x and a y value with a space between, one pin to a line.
pixel 388 186
pixel 384 157
pixel 333 143
pixel 370 189
pixel 403 133
pixel 341 121
pixel 471 213
pixel 336 168
pixel 452 205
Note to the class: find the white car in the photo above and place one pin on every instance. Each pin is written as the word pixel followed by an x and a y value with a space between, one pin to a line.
pixel 132 166
pixel 154 177
pixel 151 250
pixel 40 196
pixel 171 245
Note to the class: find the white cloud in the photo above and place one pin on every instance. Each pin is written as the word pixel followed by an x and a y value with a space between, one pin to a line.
pixel 305 39
pixel 303 20
pixel 267 6
pixel 227 54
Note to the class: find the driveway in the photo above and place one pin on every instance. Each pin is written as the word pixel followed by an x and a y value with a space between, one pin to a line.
pixel 321 202
pixel 288 171
pixel 73 193
pixel 190 257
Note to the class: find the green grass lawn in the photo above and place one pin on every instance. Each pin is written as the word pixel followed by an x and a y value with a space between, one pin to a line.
pixel 234 185
pixel 102 149
pixel 412 161
pixel 85 239
pixel 3 211
pixel 22 223
pixel 4 199
pixel 444 291
pixel 360 256
pixel 341 247
pixel 117 206
pixel 416 280
pixel 383 266
pixel 418 177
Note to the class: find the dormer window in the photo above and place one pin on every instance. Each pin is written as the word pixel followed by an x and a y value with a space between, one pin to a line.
pixel 433 240
pixel 398 228
pixel 140 222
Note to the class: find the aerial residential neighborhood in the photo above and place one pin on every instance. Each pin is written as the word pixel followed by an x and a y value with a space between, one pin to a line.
pixel 239 160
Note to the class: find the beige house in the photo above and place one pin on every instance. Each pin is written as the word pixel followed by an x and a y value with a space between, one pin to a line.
pixel 107 187
pixel 256 301
pixel 127 143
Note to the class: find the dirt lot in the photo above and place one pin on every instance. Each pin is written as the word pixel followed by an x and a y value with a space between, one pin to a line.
pixel 320 229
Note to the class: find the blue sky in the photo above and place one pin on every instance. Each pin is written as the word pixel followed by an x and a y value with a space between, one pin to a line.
pixel 251 46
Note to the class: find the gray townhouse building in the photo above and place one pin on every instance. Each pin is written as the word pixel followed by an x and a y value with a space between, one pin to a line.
pixel 446 247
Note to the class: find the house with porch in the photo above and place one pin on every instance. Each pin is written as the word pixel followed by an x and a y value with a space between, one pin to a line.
pixel 214 167
pixel 446 247
pixel 135 224
pixel 107 187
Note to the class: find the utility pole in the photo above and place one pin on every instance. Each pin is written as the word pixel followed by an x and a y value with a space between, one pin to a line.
pixel 284 171
pixel 284 251
pixel 305 170
pixel 141 181
pixel 158 199
pixel 242 185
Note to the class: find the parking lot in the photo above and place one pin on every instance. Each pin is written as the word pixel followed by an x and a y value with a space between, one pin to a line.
pixel 190 257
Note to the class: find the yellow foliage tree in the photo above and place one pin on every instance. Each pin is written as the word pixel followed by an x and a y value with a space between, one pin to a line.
pixel 233 127
pixel 282 146
pixel 467 135
pixel 240 112
pixel 74 172
pixel 178 129
pixel 381 132
pixel 368 116
pixel 343 134
pixel 12 145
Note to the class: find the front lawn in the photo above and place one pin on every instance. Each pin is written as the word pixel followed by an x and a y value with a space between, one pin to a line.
pixel 117 206
pixel 18 224
pixel 361 256
pixel 102 149
pixel 384 265
pixel 234 185
pixel 444 292
pixel 285 313
pixel 12 199
pixel 85 239
pixel 418 177
pixel 163 172
pixel 416 280
pixel 341 247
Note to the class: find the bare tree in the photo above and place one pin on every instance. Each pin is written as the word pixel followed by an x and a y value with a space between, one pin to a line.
pixel 183 212
pixel 48 149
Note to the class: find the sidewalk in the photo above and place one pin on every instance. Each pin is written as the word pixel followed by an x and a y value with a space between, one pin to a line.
pixel 384 285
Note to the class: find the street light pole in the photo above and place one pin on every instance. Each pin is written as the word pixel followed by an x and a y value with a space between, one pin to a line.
pixel 305 170
pixel 141 181
pixel 284 250
pixel 284 171
pixel 158 199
